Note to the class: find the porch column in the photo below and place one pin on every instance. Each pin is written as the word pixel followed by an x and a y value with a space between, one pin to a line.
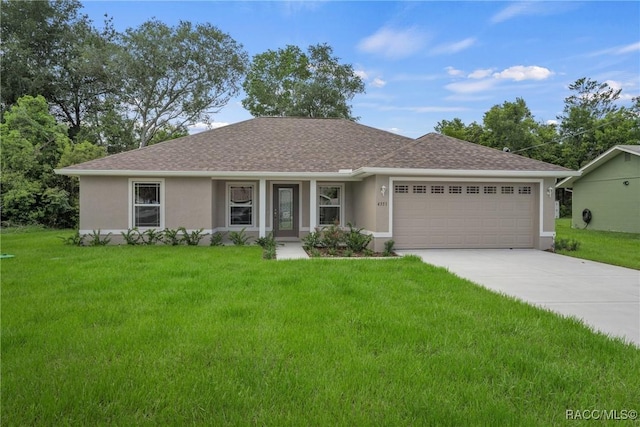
pixel 313 209
pixel 262 217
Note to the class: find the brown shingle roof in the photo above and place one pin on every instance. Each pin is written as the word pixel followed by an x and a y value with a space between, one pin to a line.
pixel 435 151
pixel 288 144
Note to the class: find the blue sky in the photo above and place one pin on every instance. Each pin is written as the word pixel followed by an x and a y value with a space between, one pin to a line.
pixel 425 61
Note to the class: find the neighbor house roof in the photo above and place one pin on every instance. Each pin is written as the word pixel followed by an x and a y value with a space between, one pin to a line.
pixel 603 158
pixel 306 146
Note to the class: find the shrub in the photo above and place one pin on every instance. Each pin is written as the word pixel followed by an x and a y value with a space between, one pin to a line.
pixel 388 248
pixel 266 242
pixel 567 245
pixel 347 253
pixel 216 239
pixel 96 239
pixel 269 253
pixel 239 238
pixel 356 240
pixel 332 237
pixel 151 236
pixel 314 252
pixel 312 240
pixel 132 236
pixel 171 236
pixel 192 238
pixel 73 240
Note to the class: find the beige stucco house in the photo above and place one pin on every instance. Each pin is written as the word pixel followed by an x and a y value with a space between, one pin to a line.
pixel 291 175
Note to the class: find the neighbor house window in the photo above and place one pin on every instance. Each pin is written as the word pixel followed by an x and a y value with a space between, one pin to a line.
pixel 329 204
pixel 147 205
pixel 240 204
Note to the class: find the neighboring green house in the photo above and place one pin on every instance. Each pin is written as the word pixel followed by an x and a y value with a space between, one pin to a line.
pixel 607 194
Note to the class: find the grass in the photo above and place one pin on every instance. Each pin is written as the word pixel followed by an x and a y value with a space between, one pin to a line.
pixel 218 336
pixel 609 247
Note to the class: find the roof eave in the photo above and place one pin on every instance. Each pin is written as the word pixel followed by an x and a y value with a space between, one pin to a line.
pixel 594 164
pixel 368 171
pixel 346 174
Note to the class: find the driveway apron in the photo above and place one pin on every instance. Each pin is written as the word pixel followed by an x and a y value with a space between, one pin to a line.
pixel 605 297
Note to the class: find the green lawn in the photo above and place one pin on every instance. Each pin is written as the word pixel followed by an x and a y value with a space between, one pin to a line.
pixel 621 249
pixel 217 336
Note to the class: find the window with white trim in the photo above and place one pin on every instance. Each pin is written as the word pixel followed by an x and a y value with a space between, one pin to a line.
pixel 241 203
pixel 329 204
pixel 147 205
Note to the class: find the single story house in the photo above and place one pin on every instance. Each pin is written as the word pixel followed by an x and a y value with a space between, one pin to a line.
pixel 606 196
pixel 291 175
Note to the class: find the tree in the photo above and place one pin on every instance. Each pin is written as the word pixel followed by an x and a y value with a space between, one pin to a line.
pixel 32 145
pixel 177 75
pixel 289 82
pixel 510 125
pixel 50 49
pixel 457 129
pixel 593 122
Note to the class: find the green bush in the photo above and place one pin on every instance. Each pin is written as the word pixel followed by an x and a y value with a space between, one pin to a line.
pixel 172 237
pixel 132 236
pixel 332 237
pixel 96 239
pixel 74 240
pixel 239 238
pixel 216 239
pixel 356 240
pixel 567 245
pixel 152 236
pixel 388 248
pixel 312 240
pixel 192 238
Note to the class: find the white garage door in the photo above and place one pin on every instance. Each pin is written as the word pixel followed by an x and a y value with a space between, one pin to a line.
pixel 464 215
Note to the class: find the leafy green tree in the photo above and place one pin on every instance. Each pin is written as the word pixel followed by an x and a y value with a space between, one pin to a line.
pixel 510 125
pixel 32 144
pixel 177 75
pixel 593 122
pixel 50 49
pixel 289 82
pixel 457 129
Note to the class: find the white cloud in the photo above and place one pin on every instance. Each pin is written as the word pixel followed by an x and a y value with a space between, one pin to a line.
pixel 552 122
pixel 520 72
pixel 361 73
pixel 454 72
pixel 395 130
pixel 455 47
pixel 378 82
pixel 394 44
pixel 618 50
pixel 481 73
pixel 471 86
pixel 513 10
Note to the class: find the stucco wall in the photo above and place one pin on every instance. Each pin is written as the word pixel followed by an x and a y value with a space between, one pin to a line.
pixel 614 205
pixel 188 203
pixel 104 203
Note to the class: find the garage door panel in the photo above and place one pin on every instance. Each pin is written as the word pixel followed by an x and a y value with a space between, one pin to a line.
pixel 457 219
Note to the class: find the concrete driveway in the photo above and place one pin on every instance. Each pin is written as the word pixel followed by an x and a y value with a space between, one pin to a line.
pixel 603 296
